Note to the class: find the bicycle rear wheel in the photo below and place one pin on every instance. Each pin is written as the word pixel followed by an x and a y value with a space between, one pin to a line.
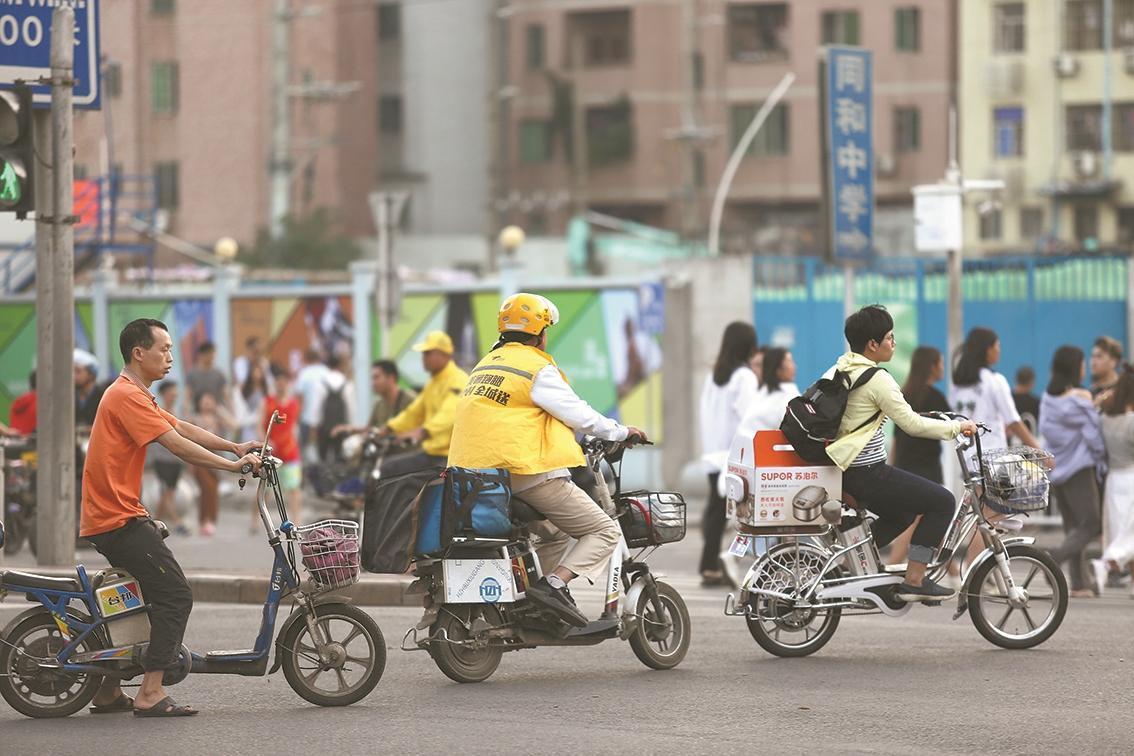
pixel 32 690
pixel 777 624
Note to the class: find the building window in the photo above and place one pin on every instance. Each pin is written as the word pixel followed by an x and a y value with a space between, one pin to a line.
pixel 1084 127
pixel 990 224
pixel 600 38
pixel 907 129
pixel 166 176
pixel 1031 222
pixel 390 22
pixel 1008 27
pixel 80 171
pixel 535 47
pixel 1086 223
pixel 1007 132
pixel 1126 225
pixel 699 168
pixel 773 138
pixel 1123 23
pixel 390 114
pixel 1122 134
pixel 535 141
pixel 163 83
pixel 907 29
pixel 840 27
pixel 162 7
pixel 610 133
pixel 758 33
pixel 112 79
pixel 1083 25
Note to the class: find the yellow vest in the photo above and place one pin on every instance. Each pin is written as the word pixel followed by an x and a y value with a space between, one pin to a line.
pixel 498 425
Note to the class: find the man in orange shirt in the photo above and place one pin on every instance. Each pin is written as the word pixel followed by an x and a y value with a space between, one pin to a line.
pixel 114 520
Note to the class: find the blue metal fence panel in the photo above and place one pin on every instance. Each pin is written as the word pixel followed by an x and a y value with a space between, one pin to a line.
pixel 1034 304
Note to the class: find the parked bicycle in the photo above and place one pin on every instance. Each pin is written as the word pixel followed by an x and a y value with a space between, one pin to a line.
pixel 794 596
pixel 53 656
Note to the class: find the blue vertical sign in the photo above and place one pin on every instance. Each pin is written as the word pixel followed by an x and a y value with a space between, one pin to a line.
pixel 850 145
pixel 25 48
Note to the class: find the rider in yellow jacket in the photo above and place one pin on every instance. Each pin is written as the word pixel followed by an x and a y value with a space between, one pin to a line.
pixel 517 412
pixel 428 420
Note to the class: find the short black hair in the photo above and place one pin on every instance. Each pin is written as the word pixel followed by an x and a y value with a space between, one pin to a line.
pixel 389 367
pixel 166 386
pixel 138 333
pixel 279 371
pixel 206 347
pixel 31 380
pixel 1025 375
pixel 251 340
pixel 871 323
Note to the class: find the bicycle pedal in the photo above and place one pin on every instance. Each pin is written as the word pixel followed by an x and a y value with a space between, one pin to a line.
pixel 932 603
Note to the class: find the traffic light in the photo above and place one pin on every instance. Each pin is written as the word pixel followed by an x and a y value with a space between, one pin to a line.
pixel 17 151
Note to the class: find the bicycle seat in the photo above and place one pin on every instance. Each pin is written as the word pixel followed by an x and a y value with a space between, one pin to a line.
pixel 15 580
pixel 522 512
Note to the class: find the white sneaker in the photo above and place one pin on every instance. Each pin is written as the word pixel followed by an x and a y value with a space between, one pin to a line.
pixel 1099 570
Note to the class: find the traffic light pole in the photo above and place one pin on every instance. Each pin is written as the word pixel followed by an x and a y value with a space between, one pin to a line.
pixel 55 304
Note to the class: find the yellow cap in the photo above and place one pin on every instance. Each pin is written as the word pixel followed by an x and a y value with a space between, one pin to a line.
pixel 438 340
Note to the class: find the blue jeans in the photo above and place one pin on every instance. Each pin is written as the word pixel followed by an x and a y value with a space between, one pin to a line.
pixel 898 497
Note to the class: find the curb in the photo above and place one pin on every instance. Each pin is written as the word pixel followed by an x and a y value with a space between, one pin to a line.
pixel 220 588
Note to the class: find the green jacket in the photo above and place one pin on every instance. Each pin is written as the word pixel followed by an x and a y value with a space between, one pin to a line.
pixel 883 393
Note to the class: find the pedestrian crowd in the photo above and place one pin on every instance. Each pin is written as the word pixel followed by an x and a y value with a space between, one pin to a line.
pixel 1088 429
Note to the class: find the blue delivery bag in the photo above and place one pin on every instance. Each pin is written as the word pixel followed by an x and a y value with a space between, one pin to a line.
pixel 464 501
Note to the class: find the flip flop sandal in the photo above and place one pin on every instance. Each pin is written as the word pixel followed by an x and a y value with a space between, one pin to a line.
pixel 166 707
pixel 120 704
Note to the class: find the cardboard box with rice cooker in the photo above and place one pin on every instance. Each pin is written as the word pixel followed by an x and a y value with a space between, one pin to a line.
pixel 770 490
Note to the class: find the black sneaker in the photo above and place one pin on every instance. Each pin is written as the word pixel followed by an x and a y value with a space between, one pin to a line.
pixel 557 600
pixel 927 591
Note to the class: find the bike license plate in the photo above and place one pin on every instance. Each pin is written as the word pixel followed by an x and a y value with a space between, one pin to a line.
pixel 741 545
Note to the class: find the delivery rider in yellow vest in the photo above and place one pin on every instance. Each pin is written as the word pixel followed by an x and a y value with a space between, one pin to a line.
pixel 517 412
pixel 428 420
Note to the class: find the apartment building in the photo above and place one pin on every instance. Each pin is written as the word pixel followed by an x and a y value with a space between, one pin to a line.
pixel 1048 107
pixel 187 97
pixel 632 108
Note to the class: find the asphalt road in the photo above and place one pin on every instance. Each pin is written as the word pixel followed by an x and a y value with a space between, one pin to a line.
pixel 918 684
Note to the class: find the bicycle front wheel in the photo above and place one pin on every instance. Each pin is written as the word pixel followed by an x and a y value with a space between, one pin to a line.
pixel 1027 616
pixel 340 666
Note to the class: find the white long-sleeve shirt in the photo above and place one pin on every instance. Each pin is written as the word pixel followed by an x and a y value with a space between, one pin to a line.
pixel 722 408
pixel 552 394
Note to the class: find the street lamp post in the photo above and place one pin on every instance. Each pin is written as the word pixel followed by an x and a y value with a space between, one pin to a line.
pixel 511 237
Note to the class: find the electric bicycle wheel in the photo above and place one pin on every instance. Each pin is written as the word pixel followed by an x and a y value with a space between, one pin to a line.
pixel 32 690
pixel 454 647
pixel 660 641
pixel 344 665
pixel 1023 621
pixel 775 623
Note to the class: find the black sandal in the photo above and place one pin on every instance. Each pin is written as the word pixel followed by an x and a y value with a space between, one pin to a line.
pixel 166 707
pixel 117 706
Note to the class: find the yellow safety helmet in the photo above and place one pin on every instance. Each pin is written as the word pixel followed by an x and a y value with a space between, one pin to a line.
pixel 527 313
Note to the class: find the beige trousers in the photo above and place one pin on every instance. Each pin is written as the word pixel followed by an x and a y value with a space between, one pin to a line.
pixel 570 513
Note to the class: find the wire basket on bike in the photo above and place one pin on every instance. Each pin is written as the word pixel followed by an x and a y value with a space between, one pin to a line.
pixel 652 518
pixel 1016 479
pixel 329 549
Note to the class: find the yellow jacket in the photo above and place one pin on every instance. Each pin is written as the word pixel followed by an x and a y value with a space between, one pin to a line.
pixel 498 424
pixel 883 393
pixel 434 410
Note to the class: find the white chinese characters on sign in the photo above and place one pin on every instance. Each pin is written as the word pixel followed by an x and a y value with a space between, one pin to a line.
pixel 849 128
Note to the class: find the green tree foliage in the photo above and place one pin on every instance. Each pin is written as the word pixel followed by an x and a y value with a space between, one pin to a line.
pixel 310 242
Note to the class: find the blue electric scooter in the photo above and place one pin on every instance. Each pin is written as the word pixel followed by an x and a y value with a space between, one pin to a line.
pixel 53 656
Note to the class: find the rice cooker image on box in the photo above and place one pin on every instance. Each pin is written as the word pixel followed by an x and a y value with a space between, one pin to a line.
pixel 808 502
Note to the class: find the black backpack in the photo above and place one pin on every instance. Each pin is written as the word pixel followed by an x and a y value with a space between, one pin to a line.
pixel 812 420
pixel 334 414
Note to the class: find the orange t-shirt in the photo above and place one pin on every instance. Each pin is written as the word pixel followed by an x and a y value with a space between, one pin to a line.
pixel 128 419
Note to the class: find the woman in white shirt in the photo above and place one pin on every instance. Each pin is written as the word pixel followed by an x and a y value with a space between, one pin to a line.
pixel 725 398
pixel 983 395
pixel 1118 496
pixel 777 388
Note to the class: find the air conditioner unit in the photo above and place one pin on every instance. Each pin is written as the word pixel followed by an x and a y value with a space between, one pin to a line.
pixel 1128 60
pixel 1066 65
pixel 1085 164
pixel 885 165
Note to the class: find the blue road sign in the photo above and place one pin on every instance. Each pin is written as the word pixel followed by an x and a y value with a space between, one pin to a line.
pixel 850 145
pixel 25 48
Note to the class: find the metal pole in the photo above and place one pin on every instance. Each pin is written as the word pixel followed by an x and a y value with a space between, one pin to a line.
pixel 279 167
pixel 688 132
pixel 1108 46
pixel 955 315
pixel 56 494
pixel 848 290
pixel 380 204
